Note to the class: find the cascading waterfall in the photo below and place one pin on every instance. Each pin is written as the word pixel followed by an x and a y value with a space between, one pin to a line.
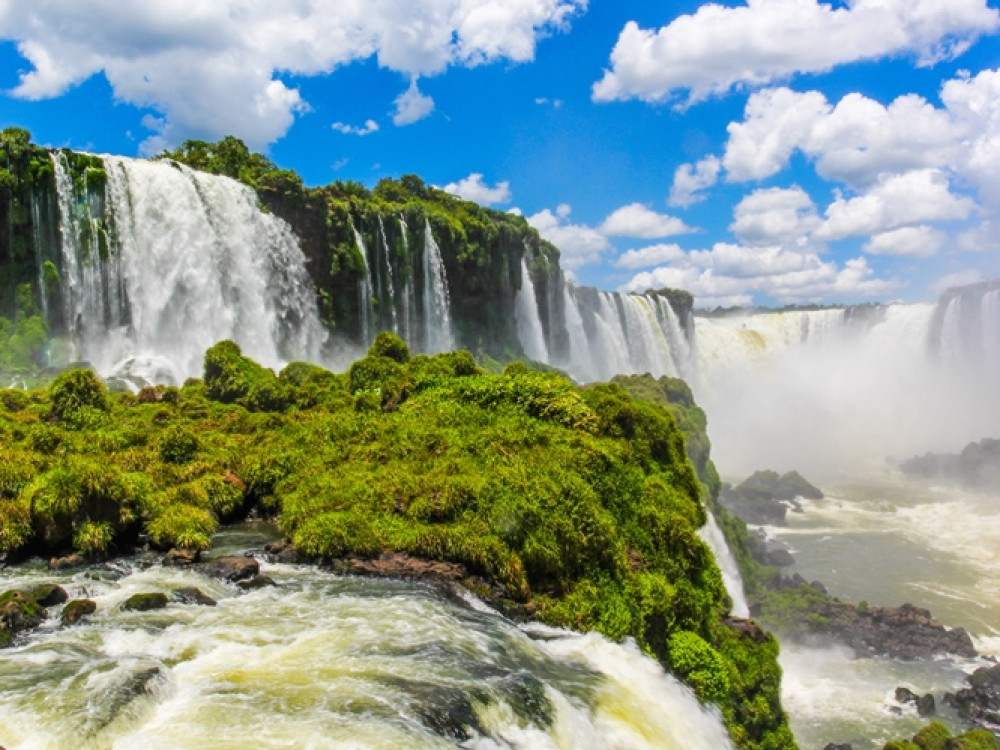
pixel 408 301
pixel 389 297
pixel 437 301
pixel 712 535
pixel 529 323
pixel 176 261
pixel 365 293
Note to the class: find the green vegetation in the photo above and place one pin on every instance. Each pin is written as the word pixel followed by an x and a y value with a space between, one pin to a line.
pixel 935 736
pixel 577 507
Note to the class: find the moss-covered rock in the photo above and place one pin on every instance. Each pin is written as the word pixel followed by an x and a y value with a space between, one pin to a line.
pixel 145 602
pixel 76 610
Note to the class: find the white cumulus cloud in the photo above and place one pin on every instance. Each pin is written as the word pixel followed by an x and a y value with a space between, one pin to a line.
pixel 473 188
pixel 915 197
pixel 691 180
pixel 637 220
pixel 717 47
pixel 412 106
pixel 915 242
pixel 214 67
pixel 783 216
pixel 368 128
pixel 580 244
pixel 647 257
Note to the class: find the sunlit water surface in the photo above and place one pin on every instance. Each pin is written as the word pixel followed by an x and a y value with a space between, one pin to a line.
pixel 322 661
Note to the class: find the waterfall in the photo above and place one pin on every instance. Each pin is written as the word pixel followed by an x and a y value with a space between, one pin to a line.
pixel 579 359
pixel 409 304
pixel 649 347
pixel 712 535
pixel 365 293
pixel 389 298
pixel 529 324
pixel 176 261
pixel 437 302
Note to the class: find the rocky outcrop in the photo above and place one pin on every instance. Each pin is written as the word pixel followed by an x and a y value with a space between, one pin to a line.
pixel 980 702
pixel 925 704
pixel 764 498
pixel 400 565
pixel 906 632
pixel 977 467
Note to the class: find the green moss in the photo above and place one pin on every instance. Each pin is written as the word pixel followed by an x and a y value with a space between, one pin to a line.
pixel 76 395
pixel 699 665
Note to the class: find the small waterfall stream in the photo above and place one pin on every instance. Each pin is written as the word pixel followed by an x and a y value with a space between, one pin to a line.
pixel 529 323
pixel 437 301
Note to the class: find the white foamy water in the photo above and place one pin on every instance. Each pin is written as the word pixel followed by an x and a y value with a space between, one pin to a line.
pixel 886 539
pixel 328 662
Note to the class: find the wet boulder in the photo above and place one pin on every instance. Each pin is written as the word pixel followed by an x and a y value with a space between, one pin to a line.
pixel 257 582
pixel 980 701
pixel 76 610
pixel 145 602
pixel 192 595
pixel 18 612
pixel 231 568
pixel 67 562
pixel 49 595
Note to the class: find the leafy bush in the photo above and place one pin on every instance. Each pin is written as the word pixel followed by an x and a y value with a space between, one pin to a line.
pixel 75 395
pixel 699 665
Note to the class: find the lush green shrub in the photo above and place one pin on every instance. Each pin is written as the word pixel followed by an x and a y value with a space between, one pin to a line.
pixel 699 665
pixel 178 446
pixel 391 346
pixel 93 537
pixel 76 395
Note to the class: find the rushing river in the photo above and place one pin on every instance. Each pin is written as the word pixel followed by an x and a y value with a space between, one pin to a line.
pixel 887 539
pixel 325 661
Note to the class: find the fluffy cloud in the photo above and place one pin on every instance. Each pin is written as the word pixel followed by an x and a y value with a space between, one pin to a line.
pixel 728 275
pixel 472 188
pixel 579 243
pixel 210 67
pixel 718 47
pixel 854 142
pixel 691 180
pixel 959 278
pixel 911 198
pixel 917 242
pixel 636 220
pixel 653 255
pixel 783 216
pixel 368 128
pixel 412 106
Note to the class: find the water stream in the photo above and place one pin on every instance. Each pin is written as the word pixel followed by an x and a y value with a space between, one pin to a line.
pixel 323 661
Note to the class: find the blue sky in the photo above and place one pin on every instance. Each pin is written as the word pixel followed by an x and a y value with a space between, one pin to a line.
pixel 768 151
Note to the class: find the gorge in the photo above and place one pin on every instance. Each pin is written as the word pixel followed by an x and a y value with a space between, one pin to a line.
pixel 138 267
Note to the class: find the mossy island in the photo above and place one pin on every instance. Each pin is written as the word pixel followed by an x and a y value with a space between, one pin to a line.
pixel 576 506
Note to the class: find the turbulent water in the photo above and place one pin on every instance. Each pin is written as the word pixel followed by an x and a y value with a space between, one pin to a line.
pixel 886 539
pixel 322 661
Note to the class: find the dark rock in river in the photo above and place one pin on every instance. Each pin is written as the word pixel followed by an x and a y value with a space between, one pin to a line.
pixel 76 610
pixel 980 702
pixel 780 558
pixel 835 746
pixel 70 561
pixel 765 497
pixel 400 565
pixel 924 703
pixel 231 568
pixel 192 595
pixel 284 552
pixel 18 612
pixel 905 632
pixel 49 595
pixel 257 582
pixel 181 557
pixel 145 602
